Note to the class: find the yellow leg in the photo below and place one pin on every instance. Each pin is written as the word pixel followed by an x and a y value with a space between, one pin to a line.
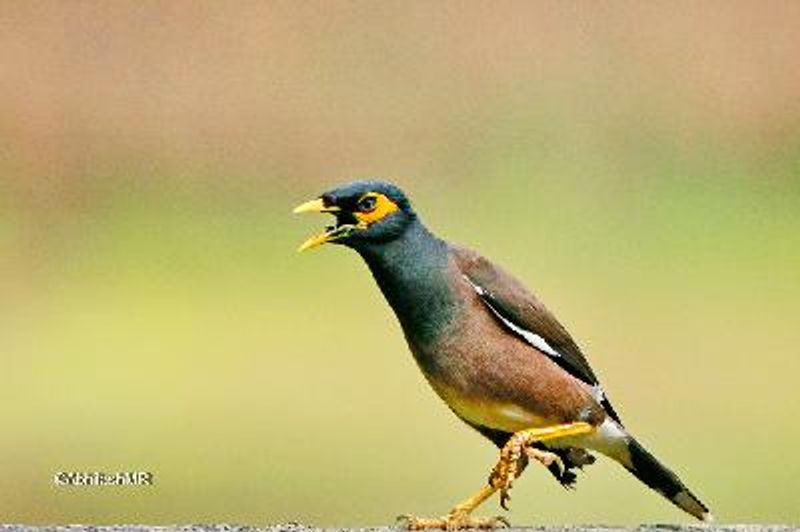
pixel 511 463
pixel 507 469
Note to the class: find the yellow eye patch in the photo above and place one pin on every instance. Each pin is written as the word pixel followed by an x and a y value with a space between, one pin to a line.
pixel 373 207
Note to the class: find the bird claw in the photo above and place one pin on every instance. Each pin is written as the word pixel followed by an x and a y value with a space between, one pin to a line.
pixel 505 498
pixel 502 478
pixel 451 521
pixel 501 522
pixel 513 460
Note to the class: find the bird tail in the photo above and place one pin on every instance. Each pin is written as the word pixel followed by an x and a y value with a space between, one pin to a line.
pixel 649 470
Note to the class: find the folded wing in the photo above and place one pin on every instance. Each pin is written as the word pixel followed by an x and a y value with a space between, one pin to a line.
pixel 524 315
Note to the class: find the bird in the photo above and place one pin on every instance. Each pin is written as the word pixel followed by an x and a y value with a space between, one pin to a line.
pixel 491 350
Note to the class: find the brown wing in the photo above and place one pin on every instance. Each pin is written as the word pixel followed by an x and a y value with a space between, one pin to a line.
pixel 524 315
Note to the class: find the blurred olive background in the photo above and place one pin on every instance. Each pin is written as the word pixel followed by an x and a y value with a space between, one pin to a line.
pixel 637 164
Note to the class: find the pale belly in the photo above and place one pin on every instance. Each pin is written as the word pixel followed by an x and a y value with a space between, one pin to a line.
pixel 609 438
pixel 507 417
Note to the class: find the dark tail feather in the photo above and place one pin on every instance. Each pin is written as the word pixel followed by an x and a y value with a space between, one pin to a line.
pixel 650 471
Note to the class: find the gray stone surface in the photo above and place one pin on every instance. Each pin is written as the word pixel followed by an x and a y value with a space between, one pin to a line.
pixel 294 527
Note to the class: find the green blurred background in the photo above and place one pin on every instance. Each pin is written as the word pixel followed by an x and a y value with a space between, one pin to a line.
pixel 637 164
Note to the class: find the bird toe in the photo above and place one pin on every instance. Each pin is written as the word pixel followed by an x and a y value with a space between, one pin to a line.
pixel 450 522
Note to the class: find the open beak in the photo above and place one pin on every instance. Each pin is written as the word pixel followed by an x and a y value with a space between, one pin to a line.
pixel 330 234
pixel 315 205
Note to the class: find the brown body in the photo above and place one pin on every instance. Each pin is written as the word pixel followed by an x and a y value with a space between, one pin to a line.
pixel 494 379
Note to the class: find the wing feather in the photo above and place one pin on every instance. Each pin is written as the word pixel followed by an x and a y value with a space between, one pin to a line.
pixel 524 315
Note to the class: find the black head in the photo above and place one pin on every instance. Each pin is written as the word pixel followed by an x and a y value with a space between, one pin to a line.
pixel 367 213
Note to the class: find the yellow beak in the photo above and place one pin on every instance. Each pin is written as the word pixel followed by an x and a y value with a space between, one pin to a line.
pixel 317 205
pixel 314 241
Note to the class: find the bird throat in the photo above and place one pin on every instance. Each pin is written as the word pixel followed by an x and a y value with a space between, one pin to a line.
pixel 414 273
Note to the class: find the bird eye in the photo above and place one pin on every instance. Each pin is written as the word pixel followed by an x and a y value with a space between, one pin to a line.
pixel 367 204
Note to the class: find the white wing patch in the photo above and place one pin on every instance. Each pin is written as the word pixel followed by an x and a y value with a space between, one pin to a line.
pixel 532 338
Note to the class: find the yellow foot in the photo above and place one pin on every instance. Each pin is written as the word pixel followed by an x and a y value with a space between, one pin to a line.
pixel 546 458
pixel 451 521
pixel 513 461
pixel 515 453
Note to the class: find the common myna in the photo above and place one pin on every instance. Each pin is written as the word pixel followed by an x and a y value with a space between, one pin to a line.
pixel 490 349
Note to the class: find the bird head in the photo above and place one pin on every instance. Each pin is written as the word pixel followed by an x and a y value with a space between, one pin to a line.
pixel 366 212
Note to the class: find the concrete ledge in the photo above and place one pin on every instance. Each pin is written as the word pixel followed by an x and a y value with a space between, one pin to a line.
pixel 294 527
